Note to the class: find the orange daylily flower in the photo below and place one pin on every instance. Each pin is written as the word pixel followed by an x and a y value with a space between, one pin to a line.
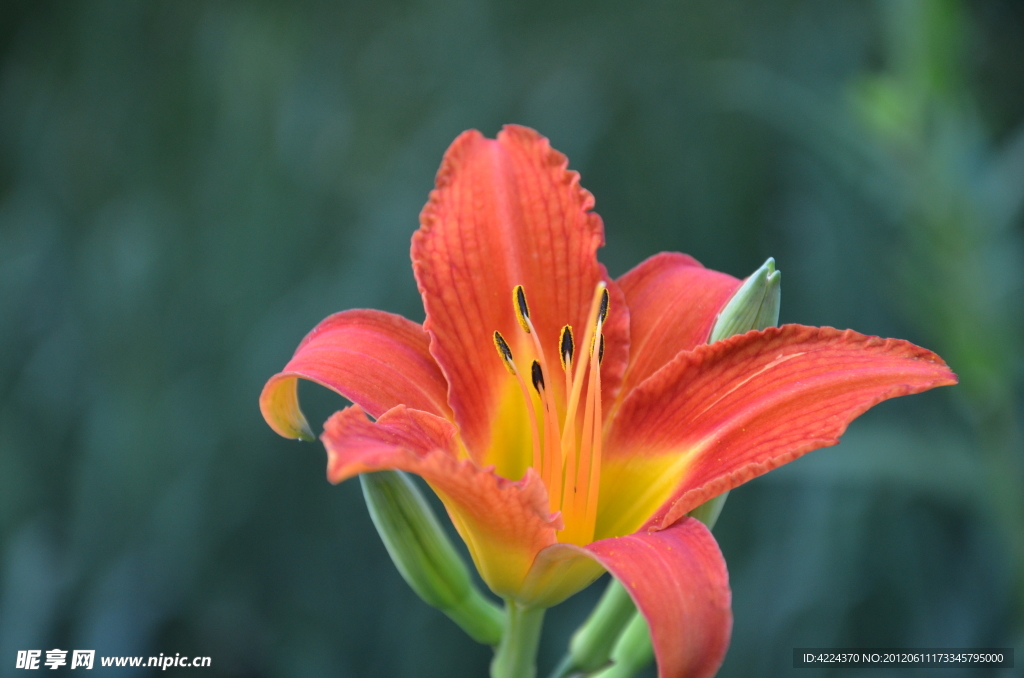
pixel 568 421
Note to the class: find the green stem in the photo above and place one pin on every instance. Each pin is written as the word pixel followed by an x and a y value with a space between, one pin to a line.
pixel 478 617
pixel 591 645
pixel 633 652
pixel 516 656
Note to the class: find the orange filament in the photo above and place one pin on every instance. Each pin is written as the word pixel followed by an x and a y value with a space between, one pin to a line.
pixel 582 482
pixel 594 481
pixel 571 472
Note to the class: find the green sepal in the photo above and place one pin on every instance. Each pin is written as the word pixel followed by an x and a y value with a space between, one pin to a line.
pixel 425 556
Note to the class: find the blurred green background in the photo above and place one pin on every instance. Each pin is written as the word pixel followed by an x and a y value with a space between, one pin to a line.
pixel 187 187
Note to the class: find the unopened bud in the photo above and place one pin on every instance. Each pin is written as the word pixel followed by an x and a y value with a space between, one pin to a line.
pixel 425 556
pixel 754 306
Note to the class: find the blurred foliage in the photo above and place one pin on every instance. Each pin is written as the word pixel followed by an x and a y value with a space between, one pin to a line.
pixel 186 188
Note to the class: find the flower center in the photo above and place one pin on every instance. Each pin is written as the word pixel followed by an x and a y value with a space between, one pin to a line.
pixel 569 464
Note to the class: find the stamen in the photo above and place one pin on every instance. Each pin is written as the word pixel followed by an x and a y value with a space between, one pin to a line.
pixel 506 357
pixel 567 347
pixel 571 472
pixel 522 310
pixel 569 432
pixel 577 471
pixel 584 506
pixel 551 462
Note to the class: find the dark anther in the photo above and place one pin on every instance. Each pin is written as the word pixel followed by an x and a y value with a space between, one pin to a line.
pixel 538 376
pixel 521 301
pixel 504 351
pixel 522 310
pixel 566 346
pixel 603 312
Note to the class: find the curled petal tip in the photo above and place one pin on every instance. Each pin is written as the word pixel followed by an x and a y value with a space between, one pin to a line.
pixel 279 404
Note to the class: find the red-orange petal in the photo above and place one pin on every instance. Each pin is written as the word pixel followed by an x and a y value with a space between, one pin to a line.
pixel 504 524
pixel 377 360
pixel 678 580
pixel 507 212
pixel 673 303
pixel 724 413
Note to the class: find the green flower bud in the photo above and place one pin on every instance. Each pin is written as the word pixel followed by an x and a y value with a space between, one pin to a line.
pixel 425 556
pixel 755 305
